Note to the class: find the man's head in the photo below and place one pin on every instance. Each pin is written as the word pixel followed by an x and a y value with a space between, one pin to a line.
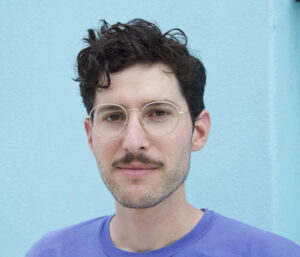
pixel 142 148
pixel 114 48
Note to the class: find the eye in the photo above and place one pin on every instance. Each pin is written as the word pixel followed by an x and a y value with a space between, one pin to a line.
pixel 114 117
pixel 159 113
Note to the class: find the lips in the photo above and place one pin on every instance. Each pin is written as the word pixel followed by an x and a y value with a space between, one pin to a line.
pixel 136 169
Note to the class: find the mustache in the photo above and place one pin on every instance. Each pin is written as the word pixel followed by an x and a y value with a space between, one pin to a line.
pixel 130 157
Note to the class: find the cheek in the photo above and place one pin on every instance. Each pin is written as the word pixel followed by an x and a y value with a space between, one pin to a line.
pixel 182 142
pixel 105 150
pixel 173 147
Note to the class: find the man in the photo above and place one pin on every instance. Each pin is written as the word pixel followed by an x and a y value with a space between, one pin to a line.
pixel 143 92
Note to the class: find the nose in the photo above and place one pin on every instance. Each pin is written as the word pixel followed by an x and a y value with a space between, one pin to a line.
pixel 135 138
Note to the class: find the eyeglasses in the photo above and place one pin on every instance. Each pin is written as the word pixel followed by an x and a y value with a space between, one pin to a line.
pixel 158 118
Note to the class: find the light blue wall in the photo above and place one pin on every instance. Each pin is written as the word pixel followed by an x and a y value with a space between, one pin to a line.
pixel 250 168
pixel 285 112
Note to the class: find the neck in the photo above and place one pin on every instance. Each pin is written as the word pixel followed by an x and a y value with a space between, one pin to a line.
pixel 141 230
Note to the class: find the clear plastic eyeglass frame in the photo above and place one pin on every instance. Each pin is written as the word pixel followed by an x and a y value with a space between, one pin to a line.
pixel 90 117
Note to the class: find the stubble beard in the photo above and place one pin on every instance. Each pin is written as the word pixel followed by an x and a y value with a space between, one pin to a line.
pixel 171 180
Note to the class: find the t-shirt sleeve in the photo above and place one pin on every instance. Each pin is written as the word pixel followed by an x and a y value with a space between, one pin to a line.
pixel 47 246
pixel 43 248
pixel 275 246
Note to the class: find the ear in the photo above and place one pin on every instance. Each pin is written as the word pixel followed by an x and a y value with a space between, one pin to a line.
pixel 201 130
pixel 88 130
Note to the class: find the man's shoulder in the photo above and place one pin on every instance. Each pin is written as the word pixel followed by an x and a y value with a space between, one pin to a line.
pixel 52 243
pixel 252 240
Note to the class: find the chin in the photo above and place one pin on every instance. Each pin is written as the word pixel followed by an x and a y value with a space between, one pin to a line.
pixel 145 200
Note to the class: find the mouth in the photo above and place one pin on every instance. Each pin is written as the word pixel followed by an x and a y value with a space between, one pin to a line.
pixel 136 169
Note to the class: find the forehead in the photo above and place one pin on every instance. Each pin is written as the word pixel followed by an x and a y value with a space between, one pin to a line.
pixel 139 84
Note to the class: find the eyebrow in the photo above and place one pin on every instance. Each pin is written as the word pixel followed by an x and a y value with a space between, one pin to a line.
pixel 110 107
pixel 145 103
pixel 160 100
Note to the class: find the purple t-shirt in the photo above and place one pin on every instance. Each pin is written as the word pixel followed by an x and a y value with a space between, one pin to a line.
pixel 214 236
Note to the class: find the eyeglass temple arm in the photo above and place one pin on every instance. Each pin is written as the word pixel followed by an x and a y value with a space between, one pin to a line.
pixel 184 112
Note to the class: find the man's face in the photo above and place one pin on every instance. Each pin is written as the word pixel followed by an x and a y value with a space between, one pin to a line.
pixel 154 167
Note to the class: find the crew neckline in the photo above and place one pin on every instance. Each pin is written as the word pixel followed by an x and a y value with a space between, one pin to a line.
pixel 194 235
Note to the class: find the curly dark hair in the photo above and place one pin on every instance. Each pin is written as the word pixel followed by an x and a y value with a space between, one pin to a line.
pixel 116 47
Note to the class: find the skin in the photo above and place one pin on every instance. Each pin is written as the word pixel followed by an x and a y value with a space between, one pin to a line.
pixel 150 198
